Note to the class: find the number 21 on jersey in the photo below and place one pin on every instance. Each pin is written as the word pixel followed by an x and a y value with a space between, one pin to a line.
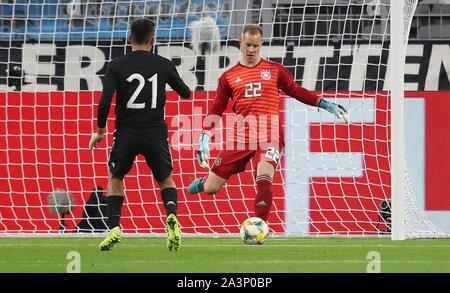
pixel 154 80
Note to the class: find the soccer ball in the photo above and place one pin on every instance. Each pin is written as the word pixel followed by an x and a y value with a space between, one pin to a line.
pixel 254 231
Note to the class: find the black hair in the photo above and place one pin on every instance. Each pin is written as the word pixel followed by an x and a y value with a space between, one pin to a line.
pixel 142 30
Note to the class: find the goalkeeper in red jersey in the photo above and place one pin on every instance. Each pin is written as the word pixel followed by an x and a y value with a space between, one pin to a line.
pixel 253 87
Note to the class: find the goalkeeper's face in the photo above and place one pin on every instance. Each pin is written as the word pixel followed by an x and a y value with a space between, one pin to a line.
pixel 250 47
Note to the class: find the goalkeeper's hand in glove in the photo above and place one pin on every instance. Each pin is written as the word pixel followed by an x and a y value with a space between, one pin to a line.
pixel 335 109
pixel 203 151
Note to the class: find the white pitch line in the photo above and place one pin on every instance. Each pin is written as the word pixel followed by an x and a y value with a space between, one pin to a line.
pixel 128 262
pixel 236 245
pixel 324 261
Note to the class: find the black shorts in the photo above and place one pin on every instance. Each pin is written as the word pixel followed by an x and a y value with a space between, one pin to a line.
pixel 151 142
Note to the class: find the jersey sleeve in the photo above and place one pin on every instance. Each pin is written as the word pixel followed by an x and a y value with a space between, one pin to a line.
pixel 109 87
pixel 177 84
pixel 288 85
pixel 219 105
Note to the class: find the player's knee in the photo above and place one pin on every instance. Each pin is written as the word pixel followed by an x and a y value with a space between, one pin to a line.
pixel 166 183
pixel 210 189
pixel 116 177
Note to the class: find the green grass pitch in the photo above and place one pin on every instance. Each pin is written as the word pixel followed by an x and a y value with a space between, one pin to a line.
pixel 225 255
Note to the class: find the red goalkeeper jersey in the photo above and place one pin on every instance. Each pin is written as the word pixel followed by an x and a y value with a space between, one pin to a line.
pixel 255 96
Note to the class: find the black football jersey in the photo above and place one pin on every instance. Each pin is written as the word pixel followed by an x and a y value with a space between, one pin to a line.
pixel 139 80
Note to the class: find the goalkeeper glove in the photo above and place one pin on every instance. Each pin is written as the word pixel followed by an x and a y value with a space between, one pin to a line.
pixel 335 109
pixel 203 151
pixel 96 137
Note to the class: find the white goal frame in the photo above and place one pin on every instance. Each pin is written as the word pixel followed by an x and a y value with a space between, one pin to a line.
pixel 398 40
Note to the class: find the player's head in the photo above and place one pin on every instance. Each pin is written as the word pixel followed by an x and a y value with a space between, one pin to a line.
pixel 251 42
pixel 142 32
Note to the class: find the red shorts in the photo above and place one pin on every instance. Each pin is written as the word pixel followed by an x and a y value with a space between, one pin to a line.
pixel 230 162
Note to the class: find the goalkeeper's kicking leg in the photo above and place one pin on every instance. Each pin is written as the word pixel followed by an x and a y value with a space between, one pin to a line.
pixel 170 201
pixel 232 162
pixel 115 201
pixel 227 163
pixel 210 184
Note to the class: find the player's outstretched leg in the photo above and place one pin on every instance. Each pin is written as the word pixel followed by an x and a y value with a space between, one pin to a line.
pixel 196 186
pixel 114 236
pixel 173 231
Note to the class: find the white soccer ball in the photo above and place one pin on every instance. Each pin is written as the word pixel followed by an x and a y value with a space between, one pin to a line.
pixel 254 231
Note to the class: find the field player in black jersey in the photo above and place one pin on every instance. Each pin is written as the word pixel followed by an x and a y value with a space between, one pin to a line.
pixel 139 79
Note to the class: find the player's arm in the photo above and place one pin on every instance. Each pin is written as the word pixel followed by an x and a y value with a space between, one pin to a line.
pixel 109 87
pixel 177 84
pixel 287 84
pixel 212 120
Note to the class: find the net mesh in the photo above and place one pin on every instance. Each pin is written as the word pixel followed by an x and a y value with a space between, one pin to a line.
pixel 334 178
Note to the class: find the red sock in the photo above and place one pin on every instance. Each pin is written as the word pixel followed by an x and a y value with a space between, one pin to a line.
pixel 263 200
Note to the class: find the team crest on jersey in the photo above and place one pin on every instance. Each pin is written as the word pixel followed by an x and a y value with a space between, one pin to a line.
pixel 265 74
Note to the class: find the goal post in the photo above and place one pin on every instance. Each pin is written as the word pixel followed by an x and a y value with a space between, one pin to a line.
pixel 399 41
pixel 334 179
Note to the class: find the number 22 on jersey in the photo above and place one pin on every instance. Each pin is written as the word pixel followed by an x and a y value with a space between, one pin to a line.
pixel 154 80
pixel 252 90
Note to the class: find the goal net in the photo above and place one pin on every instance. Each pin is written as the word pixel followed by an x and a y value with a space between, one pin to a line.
pixel 334 178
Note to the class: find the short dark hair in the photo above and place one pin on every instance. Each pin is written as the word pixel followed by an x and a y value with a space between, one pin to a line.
pixel 252 29
pixel 142 30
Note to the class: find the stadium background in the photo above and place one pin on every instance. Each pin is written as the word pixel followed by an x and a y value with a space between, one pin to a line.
pixel 41 133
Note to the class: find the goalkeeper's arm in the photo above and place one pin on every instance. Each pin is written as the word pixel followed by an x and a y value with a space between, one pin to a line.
pixel 212 120
pixel 307 97
pixel 210 123
pixel 289 86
